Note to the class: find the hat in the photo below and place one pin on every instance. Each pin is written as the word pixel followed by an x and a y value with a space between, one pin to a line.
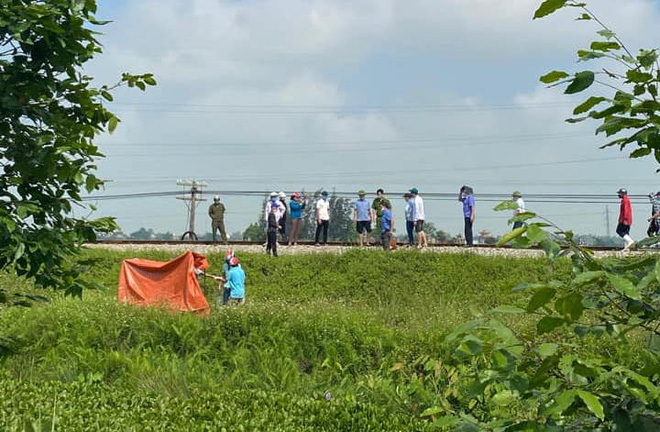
pixel 622 191
pixel 516 194
pixel 295 195
pixel 282 195
pixel 234 261
pixel 361 192
pixel 324 193
pixel 273 194
pixel 414 191
pixel 216 198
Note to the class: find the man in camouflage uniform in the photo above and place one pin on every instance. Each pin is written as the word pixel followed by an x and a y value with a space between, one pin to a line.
pixel 217 215
pixel 376 206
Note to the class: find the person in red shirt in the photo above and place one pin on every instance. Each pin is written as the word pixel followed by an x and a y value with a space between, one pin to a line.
pixel 625 219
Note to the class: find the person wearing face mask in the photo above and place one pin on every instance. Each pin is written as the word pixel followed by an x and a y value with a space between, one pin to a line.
pixel 297 205
pixel 322 218
pixel 466 196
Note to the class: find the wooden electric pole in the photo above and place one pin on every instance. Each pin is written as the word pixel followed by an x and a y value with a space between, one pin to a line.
pixel 192 199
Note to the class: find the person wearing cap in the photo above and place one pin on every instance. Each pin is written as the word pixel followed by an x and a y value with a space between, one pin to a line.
pixel 466 196
pixel 386 226
pixel 272 227
pixel 625 219
pixel 283 216
pixel 410 223
pixel 654 223
pixel 273 198
pixel 217 215
pixel 322 218
pixel 418 218
pixel 376 206
pixel 363 216
pixel 236 281
pixel 296 205
pixel 517 198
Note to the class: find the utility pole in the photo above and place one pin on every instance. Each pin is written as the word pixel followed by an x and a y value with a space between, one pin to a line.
pixel 607 219
pixel 192 198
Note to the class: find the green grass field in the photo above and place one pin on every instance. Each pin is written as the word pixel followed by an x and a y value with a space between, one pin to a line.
pixel 366 329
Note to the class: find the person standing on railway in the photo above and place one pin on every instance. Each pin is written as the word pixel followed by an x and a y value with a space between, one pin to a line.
pixel 410 223
pixel 625 219
pixel 654 223
pixel 386 226
pixel 272 227
pixel 296 206
pixel 322 218
pixel 363 216
pixel 418 218
pixel 377 208
pixel 466 196
pixel 517 198
pixel 217 215
pixel 283 216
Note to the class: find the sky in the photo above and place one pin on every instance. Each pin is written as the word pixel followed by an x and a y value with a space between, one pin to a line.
pixel 345 95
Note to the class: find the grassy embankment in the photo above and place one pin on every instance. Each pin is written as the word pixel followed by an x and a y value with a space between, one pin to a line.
pixel 368 327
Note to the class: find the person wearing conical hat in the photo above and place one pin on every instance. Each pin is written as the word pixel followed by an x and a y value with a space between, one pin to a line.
pixel 517 198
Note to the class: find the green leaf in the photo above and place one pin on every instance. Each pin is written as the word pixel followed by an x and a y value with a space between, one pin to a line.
pixel 606 33
pixel 636 76
pixel 592 402
pixel 581 82
pixel 624 286
pixel 570 306
pixel 506 238
pixel 563 401
pixel 605 46
pixel 589 55
pixel 432 411
pixel 471 345
pixel 548 324
pixel 640 152
pixel 548 7
pixel 535 234
pixel 547 349
pixel 107 96
pixel 588 104
pixel 583 17
pixel 150 81
pixel 553 76
pixel 112 124
pixel 588 277
pixel 540 298
pixel 506 205
pixel 647 58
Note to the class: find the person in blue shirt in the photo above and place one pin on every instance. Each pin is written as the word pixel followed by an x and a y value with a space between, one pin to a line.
pixel 236 281
pixel 466 196
pixel 386 226
pixel 296 206
pixel 363 216
pixel 410 219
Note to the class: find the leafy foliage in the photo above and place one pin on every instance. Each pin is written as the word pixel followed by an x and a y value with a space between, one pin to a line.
pixel 49 118
pixel 634 79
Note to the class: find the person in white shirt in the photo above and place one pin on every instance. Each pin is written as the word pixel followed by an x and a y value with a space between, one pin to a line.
pixel 418 218
pixel 322 218
pixel 517 198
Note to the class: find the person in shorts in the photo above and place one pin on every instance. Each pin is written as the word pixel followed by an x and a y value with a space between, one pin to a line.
pixel 418 218
pixel 363 215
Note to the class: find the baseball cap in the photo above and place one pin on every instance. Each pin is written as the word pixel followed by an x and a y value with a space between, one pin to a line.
pixel 324 193
pixel 234 261
pixel 414 191
pixel 282 195
pixel 622 191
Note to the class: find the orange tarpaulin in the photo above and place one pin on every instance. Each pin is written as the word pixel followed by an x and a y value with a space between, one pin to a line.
pixel 173 283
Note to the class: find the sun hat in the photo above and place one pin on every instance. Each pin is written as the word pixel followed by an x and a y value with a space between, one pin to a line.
pixel 361 192
pixel 516 194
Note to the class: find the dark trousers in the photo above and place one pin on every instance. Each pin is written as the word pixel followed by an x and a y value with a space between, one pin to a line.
pixel 272 242
pixel 386 237
pixel 322 226
pixel 468 231
pixel 410 228
pixel 219 225
pixel 622 229
pixel 653 228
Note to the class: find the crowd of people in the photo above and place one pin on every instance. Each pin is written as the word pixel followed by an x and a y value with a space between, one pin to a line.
pixel 376 214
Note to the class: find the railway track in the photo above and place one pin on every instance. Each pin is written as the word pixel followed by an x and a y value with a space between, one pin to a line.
pixel 310 243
